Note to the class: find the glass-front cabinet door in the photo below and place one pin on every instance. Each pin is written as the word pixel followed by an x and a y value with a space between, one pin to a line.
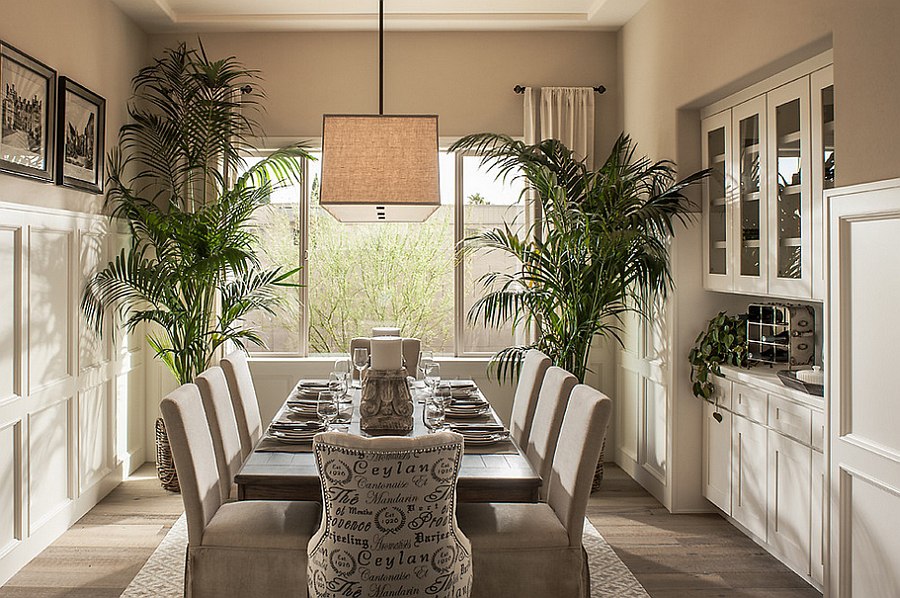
pixel 751 193
pixel 789 182
pixel 823 166
pixel 717 208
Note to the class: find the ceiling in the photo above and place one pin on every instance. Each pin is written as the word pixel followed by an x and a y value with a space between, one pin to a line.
pixel 159 16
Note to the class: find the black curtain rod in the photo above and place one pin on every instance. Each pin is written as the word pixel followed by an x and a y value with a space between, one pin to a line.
pixel 520 89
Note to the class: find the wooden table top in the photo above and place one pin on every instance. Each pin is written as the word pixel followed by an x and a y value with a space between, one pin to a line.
pixel 486 475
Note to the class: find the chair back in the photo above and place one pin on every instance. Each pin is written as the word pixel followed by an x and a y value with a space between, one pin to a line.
pixel 410 348
pixel 195 461
pixel 575 460
pixel 244 400
pixel 222 425
pixel 548 416
pixel 534 366
pixel 389 518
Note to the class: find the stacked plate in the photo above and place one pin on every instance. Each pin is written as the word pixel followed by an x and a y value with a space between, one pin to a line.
pixel 295 432
pixel 475 406
pixel 305 396
pixel 481 434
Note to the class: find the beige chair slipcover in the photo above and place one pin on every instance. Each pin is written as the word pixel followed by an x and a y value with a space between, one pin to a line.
pixel 222 427
pixel 244 400
pixel 548 416
pixel 389 518
pixel 532 549
pixel 410 349
pixel 238 549
pixel 534 367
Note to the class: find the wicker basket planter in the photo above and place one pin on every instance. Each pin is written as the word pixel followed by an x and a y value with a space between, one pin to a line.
pixel 165 464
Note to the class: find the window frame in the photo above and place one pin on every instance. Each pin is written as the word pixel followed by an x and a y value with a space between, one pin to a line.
pixel 265 146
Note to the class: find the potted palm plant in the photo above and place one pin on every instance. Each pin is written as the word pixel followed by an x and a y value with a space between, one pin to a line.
pixel 599 251
pixel 190 272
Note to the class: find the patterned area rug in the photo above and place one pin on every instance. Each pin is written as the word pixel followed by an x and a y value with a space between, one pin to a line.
pixel 163 574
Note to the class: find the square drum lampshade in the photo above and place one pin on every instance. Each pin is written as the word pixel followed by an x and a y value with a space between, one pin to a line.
pixel 380 168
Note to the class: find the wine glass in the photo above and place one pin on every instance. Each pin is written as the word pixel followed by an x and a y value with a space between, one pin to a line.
pixel 360 360
pixel 336 384
pixel 433 415
pixel 327 408
pixel 424 358
pixel 432 376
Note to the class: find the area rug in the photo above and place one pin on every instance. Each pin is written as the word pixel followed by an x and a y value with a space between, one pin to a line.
pixel 162 576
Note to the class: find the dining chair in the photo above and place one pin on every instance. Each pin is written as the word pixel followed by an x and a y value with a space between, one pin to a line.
pixel 223 427
pixel 236 549
pixel 389 519
pixel 535 549
pixel 548 416
pixel 410 348
pixel 534 367
pixel 243 399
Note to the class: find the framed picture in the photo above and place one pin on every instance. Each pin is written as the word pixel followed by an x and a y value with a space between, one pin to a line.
pixel 81 135
pixel 27 115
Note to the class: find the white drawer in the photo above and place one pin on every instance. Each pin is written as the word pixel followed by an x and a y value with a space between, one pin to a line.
pixel 722 392
pixel 749 402
pixel 818 430
pixel 790 419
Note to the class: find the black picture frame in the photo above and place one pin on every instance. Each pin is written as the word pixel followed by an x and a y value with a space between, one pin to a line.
pixel 80 137
pixel 27 116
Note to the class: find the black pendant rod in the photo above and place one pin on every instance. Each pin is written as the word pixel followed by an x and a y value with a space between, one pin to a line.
pixel 520 89
pixel 381 57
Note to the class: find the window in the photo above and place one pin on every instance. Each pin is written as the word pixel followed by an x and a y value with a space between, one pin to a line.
pixel 358 276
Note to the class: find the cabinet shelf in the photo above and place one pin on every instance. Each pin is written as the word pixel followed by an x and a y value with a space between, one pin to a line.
pixel 789 141
pixel 752 148
pixel 717 159
pixel 717 202
pixel 751 243
pixel 750 196
pixel 791 241
pixel 719 244
pixel 790 190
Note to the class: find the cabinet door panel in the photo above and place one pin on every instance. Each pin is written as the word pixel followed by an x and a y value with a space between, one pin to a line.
pixel 823 167
pixel 717 203
pixel 789 239
pixel 748 471
pixel 789 500
pixel 749 158
pixel 817 520
pixel 750 402
pixel 717 457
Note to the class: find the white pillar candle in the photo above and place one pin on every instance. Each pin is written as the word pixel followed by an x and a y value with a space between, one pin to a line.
pixel 385 331
pixel 387 353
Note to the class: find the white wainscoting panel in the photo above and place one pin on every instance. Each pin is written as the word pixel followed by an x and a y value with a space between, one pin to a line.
pixel 71 407
pixel 49 458
pixel 655 429
pixel 10 319
pixel 10 482
pixel 50 307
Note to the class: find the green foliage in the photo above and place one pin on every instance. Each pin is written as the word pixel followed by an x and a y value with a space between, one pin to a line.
pixel 477 199
pixel 190 270
pixel 601 250
pixel 724 342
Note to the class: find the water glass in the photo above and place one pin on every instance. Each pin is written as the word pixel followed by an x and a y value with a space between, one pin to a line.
pixel 336 385
pixel 326 407
pixel 432 376
pixel 433 415
pixel 344 411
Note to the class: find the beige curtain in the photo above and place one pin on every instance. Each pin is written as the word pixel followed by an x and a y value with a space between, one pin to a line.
pixel 567 114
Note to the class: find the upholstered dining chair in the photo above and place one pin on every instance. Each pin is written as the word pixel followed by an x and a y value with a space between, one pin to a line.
pixel 389 518
pixel 548 415
pixel 535 549
pixel 223 427
pixel 243 399
pixel 410 349
pixel 534 366
pixel 236 549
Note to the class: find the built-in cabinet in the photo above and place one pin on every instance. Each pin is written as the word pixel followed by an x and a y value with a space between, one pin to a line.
pixel 763 466
pixel 770 156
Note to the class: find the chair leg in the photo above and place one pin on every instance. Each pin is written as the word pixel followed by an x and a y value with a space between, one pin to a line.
pixel 585 574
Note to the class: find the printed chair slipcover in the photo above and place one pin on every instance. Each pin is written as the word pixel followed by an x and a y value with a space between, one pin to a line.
pixel 237 549
pixel 389 518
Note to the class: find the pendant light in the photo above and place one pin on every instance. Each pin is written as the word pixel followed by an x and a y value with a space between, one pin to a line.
pixel 380 168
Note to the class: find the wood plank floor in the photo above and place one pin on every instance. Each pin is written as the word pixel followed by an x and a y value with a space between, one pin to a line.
pixel 697 556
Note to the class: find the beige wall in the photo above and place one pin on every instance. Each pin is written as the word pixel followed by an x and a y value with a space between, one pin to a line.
pixel 466 78
pixel 89 41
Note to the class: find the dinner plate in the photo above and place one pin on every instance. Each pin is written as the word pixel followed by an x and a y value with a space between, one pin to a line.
pixel 466 412
pixel 486 439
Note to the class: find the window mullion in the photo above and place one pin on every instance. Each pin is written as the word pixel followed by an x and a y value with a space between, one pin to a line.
pixel 303 224
pixel 459 227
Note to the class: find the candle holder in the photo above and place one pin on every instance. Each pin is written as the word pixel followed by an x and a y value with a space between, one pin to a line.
pixel 386 403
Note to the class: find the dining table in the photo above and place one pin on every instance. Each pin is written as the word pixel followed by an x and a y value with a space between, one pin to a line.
pixel 496 472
